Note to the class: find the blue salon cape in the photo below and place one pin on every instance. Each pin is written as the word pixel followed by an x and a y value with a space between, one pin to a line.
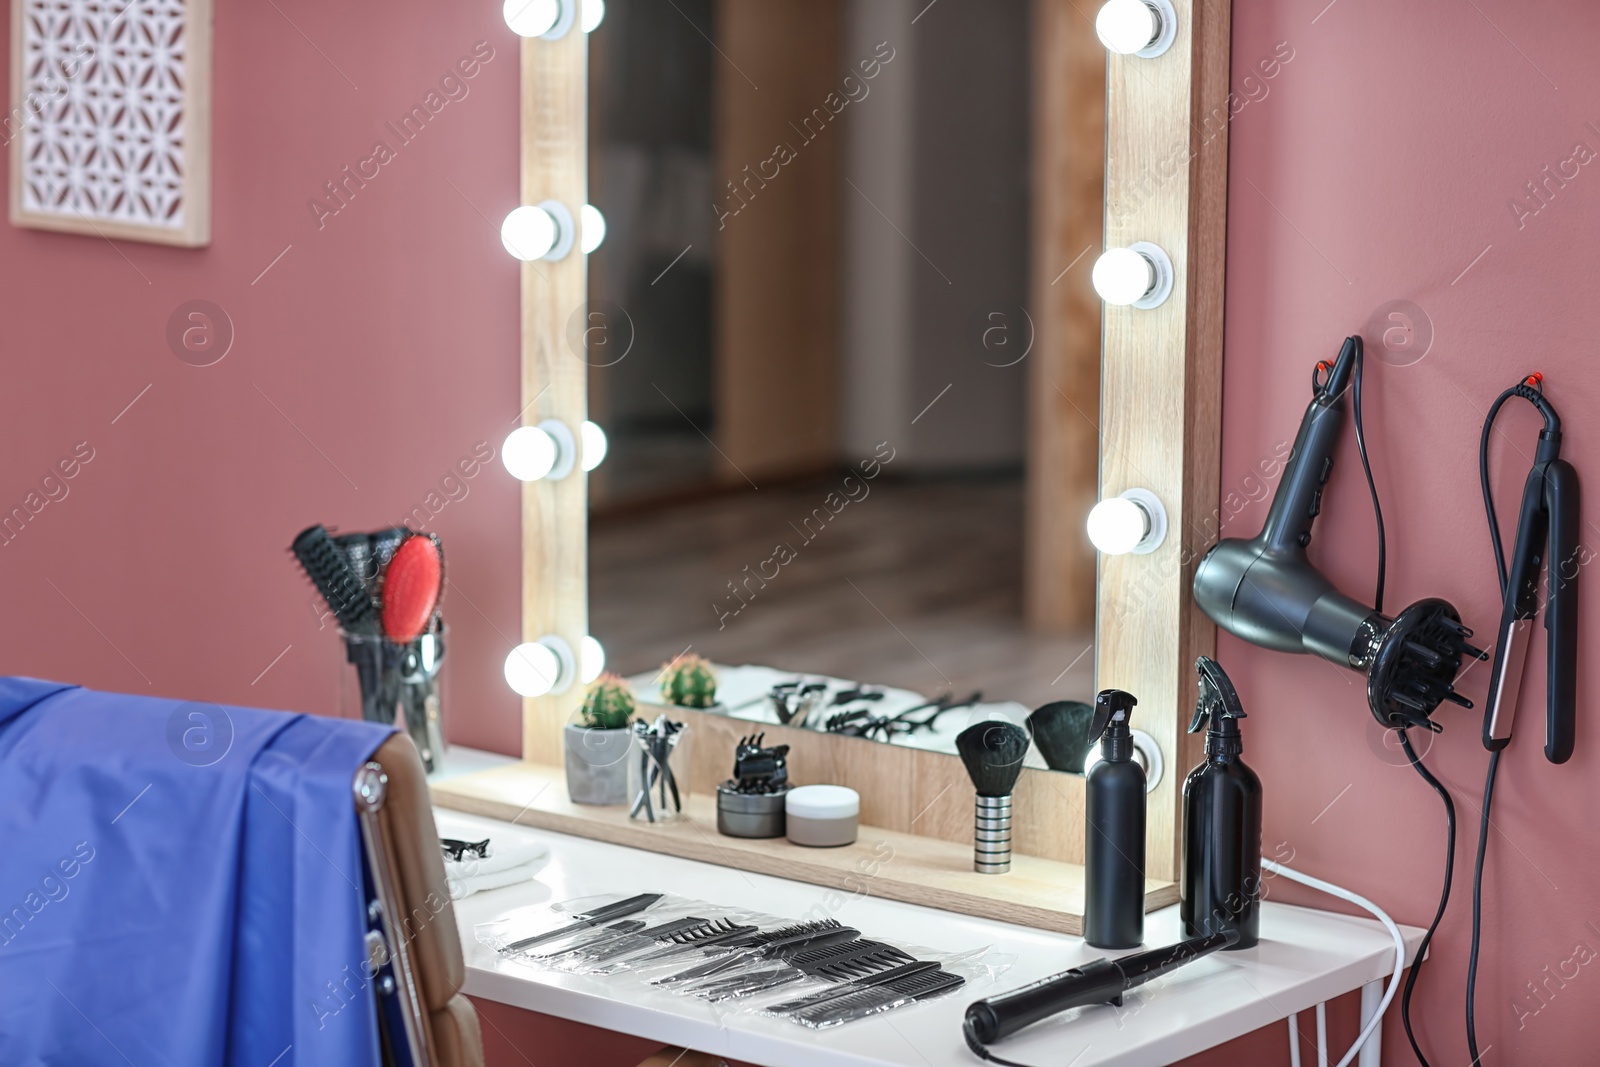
pixel 179 883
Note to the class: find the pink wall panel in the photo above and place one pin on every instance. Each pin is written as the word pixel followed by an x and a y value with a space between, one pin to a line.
pixel 1390 160
pixel 372 349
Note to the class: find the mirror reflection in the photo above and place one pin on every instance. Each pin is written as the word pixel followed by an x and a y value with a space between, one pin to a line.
pixel 811 339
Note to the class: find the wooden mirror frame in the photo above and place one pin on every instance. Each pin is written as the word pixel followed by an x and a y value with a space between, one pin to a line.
pixel 1157 427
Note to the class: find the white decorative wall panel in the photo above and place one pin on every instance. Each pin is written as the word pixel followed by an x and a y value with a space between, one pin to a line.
pixel 109 124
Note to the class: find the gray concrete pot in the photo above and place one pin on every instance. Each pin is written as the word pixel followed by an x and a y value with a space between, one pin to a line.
pixel 597 765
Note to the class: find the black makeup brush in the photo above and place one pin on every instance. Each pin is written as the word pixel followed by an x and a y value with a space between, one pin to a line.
pixel 1061 734
pixel 993 751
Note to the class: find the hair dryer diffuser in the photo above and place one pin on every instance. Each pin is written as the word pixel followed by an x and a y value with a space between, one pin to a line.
pixel 1266 590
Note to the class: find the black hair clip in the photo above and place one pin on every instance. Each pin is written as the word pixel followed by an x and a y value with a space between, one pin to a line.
pixel 459 850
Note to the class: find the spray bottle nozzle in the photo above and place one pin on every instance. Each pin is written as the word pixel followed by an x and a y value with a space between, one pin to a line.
pixel 1218 700
pixel 1112 709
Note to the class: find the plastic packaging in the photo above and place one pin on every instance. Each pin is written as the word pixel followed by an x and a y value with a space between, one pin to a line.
pixel 818 973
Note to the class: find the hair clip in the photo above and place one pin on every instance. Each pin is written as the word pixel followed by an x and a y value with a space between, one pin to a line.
pixel 458 850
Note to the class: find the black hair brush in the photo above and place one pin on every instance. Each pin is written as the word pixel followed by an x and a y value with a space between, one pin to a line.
pixel 993 751
pixel 1061 734
pixel 330 571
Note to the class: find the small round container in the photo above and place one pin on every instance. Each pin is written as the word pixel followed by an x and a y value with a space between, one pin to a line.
pixel 752 815
pixel 822 816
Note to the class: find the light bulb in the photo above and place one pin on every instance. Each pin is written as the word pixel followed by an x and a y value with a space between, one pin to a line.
pixel 1122 276
pixel 592 226
pixel 1144 28
pixel 1117 525
pixel 592 441
pixel 532 669
pixel 1133 522
pixel 592 659
pixel 531 18
pixel 529 453
pixel 1126 26
pixel 1139 275
pixel 594 11
pixel 529 233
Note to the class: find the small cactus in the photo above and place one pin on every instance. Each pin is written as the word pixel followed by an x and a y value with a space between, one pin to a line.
pixel 689 682
pixel 608 705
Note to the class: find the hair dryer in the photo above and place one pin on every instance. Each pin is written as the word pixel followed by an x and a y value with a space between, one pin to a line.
pixel 1266 590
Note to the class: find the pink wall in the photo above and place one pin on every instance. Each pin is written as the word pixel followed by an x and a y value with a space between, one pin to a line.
pixel 1384 159
pixel 387 335
pixel 1381 162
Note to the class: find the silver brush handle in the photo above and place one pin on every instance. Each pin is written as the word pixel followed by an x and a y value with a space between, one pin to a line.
pixel 991 836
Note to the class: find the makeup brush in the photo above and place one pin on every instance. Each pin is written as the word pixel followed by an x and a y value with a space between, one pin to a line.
pixel 993 751
pixel 1061 734
pixel 411 587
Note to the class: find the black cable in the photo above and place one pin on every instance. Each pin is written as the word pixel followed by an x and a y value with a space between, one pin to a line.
pixel 1552 423
pixel 1411 753
pixel 1477 907
pixel 1444 896
pixel 981 1050
pixel 1372 487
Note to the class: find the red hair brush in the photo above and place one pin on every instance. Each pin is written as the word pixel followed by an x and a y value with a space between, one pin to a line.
pixel 412 585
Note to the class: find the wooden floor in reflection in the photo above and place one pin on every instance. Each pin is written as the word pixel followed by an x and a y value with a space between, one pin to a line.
pixel 916 584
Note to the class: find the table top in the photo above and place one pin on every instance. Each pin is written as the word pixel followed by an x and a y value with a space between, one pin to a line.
pixel 1305 957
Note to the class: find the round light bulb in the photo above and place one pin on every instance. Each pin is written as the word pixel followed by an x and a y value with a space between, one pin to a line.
pixel 1127 26
pixel 592 445
pixel 529 233
pixel 591 659
pixel 531 18
pixel 528 453
pixel 1117 525
pixel 1122 276
pixel 592 227
pixel 532 669
pixel 594 12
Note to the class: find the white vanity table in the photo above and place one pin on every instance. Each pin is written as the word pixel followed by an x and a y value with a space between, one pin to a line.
pixel 1306 958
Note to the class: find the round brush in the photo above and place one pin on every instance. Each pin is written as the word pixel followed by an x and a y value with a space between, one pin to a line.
pixel 1061 734
pixel 339 584
pixel 993 751
pixel 411 587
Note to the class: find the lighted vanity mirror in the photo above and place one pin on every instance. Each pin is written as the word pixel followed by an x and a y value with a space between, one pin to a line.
pixel 814 329
pixel 842 336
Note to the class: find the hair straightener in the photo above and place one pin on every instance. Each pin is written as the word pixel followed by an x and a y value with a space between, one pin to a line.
pixel 1267 591
pixel 1547 533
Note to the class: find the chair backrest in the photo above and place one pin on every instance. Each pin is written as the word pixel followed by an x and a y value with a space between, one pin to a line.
pixel 413 946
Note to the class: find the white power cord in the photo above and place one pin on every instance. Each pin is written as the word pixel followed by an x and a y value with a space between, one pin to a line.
pixel 1376 912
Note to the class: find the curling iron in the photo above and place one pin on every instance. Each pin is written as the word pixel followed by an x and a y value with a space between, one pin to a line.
pixel 1266 591
pixel 1102 981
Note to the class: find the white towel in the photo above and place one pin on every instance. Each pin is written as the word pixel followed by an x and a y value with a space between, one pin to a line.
pixel 505 865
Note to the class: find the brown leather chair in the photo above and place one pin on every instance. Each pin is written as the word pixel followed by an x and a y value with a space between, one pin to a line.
pixel 679 1057
pixel 413 948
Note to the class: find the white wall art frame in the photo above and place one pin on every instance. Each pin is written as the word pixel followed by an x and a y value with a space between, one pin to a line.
pixel 109 127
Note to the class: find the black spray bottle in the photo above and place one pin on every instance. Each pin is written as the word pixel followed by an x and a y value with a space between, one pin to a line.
pixel 1113 891
pixel 1221 821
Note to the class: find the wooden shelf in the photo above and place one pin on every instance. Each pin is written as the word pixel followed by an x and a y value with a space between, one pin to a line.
pixel 1041 893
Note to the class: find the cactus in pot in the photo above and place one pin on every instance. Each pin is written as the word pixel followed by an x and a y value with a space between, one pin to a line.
pixel 598 744
pixel 689 682
pixel 608 705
